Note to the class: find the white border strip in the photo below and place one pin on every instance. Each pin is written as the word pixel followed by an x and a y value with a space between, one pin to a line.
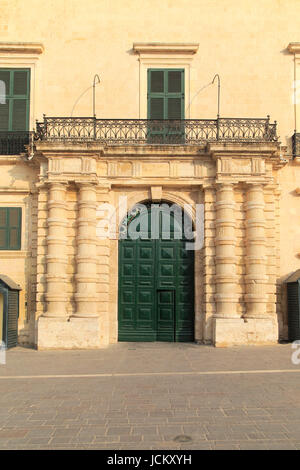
pixel 149 374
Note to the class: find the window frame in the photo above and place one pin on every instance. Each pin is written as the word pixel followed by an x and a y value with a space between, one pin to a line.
pixel 11 97
pixel 166 94
pixel 7 246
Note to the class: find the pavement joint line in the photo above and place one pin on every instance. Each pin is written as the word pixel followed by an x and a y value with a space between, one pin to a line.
pixel 149 374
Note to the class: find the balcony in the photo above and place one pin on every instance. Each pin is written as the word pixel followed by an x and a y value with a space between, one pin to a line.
pixel 13 143
pixel 141 132
pixel 153 132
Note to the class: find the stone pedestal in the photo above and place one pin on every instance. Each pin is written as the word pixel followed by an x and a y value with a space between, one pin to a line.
pixel 234 332
pixel 81 333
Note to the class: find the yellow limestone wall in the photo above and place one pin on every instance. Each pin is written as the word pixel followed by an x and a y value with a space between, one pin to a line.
pixel 244 42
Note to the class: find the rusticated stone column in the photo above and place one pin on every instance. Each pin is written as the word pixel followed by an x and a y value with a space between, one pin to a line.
pixel 86 276
pixel 225 297
pixel 56 252
pixel 255 278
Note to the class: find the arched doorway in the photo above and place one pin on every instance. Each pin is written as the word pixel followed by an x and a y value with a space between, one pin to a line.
pixel 156 275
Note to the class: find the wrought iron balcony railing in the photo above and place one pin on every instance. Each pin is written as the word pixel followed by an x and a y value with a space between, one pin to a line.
pixel 143 131
pixel 13 143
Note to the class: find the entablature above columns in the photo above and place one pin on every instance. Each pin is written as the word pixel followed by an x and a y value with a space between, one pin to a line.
pixel 243 162
pixel 162 164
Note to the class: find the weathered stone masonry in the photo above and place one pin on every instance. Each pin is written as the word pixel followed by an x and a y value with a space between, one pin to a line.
pixel 235 271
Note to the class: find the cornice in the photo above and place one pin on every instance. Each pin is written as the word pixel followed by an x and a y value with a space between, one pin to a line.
pixel 21 47
pixel 294 47
pixel 165 48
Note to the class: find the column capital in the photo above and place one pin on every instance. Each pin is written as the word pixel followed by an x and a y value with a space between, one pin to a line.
pixel 86 184
pixel 207 186
pixel 224 185
pixel 255 185
pixel 57 184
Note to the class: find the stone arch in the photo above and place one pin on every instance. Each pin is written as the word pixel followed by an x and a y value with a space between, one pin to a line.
pixel 185 203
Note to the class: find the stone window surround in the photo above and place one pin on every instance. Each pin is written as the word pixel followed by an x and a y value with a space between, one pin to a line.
pixel 163 55
pixel 24 55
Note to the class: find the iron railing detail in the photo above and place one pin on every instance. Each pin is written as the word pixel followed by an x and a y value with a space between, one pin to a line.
pixel 144 131
pixel 14 142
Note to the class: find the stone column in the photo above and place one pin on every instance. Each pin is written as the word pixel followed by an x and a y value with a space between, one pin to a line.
pixel 209 267
pixel 225 297
pixel 56 257
pixel 86 275
pixel 255 278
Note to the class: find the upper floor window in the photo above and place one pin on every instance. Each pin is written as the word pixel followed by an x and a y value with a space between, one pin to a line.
pixel 14 109
pixel 166 102
pixel 165 93
pixel 10 228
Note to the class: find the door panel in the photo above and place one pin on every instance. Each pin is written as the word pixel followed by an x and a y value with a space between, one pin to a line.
pixel 165 315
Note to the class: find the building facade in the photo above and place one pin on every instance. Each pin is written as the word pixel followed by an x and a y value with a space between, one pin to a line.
pixel 154 86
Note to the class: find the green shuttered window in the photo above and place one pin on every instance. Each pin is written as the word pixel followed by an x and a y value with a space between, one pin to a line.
pixel 166 102
pixel 14 113
pixel 165 94
pixel 10 228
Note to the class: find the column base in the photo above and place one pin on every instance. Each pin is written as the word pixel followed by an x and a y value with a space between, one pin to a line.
pixel 72 333
pixel 235 332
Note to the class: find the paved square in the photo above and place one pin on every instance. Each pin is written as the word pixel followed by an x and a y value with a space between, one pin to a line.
pixel 151 396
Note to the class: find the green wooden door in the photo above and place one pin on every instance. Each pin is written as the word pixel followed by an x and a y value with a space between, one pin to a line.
pixel 156 282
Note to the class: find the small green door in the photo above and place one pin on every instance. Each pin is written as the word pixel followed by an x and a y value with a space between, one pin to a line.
pixel 156 281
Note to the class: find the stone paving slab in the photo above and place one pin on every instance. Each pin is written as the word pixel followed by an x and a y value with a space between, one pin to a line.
pixel 238 398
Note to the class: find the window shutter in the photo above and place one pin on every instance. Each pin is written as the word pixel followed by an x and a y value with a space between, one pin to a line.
pixel 174 108
pixel 14 223
pixel 4 116
pixel 14 114
pixel 12 318
pixel 156 108
pixel 3 229
pixel 175 81
pixel 165 94
pixel 166 102
pixel 157 81
pixel 175 94
pixel 5 77
pixel 10 228
pixel 20 82
pixel 156 95
pixel 19 115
